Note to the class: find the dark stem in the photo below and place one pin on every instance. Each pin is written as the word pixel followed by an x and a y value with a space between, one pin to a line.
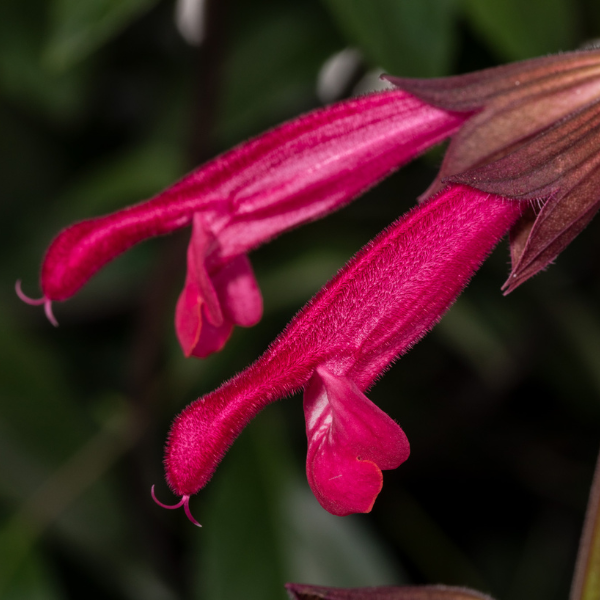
pixel 155 315
pixel 207 82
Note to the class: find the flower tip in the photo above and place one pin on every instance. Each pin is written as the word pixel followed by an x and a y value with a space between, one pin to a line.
pixel 511 284
pixel 49 314
pixel 37 302
pixel 185 502
pixel 168 506
pixel 188 512
pixel 23 297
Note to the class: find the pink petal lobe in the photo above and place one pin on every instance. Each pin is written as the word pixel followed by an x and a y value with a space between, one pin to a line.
pixel 239 301
pixel 188 317
pixel 197 335
pixel 212 303
pixel 211 339
pixel 198 304
pixel 238 292
pixel 201 244
pixel 350 440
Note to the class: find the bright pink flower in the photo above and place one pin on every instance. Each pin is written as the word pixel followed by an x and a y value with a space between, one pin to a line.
pixel 524 132
pixel 350 441
pixel 373 311
pixel 531 137
pixel 293 174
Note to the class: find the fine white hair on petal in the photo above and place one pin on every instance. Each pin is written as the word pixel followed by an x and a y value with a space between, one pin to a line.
pixel 190 20
pixel 337 73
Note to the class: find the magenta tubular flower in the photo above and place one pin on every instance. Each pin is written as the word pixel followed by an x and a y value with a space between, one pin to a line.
pixel 525 157
pixel 373 311
pixel 293 174
pixel 530 142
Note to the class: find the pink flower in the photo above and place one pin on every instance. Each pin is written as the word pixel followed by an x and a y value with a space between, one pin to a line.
pixel 540 120
pixel 525 158
pixel 373 311
pixel 295 173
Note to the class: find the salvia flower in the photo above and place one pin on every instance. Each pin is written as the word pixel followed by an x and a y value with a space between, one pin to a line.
pixel 537 158
pixel 523 158
pixel 373 311
pixel 288 176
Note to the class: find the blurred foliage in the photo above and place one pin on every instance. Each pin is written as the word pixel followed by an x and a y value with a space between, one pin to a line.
pixel 417 39
pixel 78 28
pixel 262 87
pixel 101 105
pixel 23 75
pixel 518 30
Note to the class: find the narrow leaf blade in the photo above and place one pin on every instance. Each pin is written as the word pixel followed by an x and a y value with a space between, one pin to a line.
pixel 436 592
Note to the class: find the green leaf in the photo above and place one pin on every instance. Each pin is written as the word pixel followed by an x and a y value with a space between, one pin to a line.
pixel 32 581
pixel 22 75
pixel 467 332
pixel 241 523
pixel 78 28
pixel 403 37
pixel 38 407
pixel 126 178
pixel 516 29
pixel 262 87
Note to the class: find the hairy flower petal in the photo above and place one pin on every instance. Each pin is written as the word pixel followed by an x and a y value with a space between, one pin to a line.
pixel 211 338
pixel 350 440
pixel 239 300
pixel 373 311
pixel 294 173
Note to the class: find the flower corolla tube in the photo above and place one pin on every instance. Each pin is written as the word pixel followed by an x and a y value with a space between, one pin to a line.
pixel 523 158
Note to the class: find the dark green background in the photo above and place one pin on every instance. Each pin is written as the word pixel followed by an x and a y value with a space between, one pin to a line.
pixel 103 104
